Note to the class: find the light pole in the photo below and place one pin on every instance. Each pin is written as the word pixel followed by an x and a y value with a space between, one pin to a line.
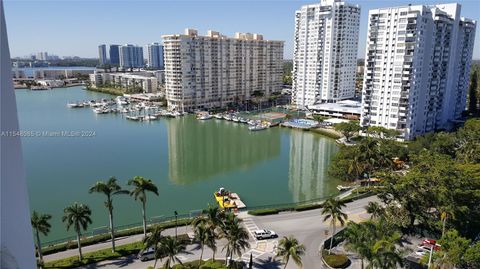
pixel 176 216
pixel 431 253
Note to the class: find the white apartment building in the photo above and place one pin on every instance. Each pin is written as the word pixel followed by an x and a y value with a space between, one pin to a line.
pixel 325 52
pixel 148 81
pixel 416 68
pixel 215 70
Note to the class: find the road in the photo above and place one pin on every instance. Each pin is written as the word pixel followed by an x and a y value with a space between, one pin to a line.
pixel 308 227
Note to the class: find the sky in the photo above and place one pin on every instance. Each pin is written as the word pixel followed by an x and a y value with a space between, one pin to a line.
pixel 77 27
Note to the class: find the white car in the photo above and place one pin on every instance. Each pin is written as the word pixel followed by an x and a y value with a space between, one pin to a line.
pixel 264 234
pixel 147 254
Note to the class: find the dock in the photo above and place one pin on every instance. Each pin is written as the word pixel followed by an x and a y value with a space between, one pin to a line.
pixel 235 198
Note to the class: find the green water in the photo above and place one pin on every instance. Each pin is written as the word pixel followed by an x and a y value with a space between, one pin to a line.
pixel 187 159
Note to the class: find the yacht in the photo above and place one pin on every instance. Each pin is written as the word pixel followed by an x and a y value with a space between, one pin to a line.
pixel 149 117
pixel 204 116
pixel 218 116
pixel 257 127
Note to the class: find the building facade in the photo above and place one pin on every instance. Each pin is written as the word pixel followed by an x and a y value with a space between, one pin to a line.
pixel 325 53
pixel 102 55
pixel 147 81
pixel 114 53
pixel 215 70
pixel 416 68
pixel 131 56
pixel 155 56
pixel 42 56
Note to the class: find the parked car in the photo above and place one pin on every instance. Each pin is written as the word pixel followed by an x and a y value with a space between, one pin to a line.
pixel 264 234
pixel 420 252
pixel 146 254
pixel 429 242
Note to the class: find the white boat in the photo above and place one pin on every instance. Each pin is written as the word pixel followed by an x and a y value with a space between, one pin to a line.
pixel 227 117
pixel 257 127
pixel 235 119
pixel 343 188
pixel 73 105
pixel 121 101
pixel 134 118
pixel 243 120
pixel 124 110
pixel 218 116
pixel 101 110
pixel 149 117
pixel 204 116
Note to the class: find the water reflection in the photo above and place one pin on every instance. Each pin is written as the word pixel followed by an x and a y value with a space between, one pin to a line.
pixel 200 150
pixel 310 155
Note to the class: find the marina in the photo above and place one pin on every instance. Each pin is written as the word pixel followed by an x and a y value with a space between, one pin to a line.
pixel 187 158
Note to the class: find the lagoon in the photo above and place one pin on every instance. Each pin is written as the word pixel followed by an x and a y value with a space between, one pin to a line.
pixel 187 159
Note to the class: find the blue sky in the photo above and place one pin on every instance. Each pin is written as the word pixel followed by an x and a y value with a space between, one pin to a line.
pixel 76 27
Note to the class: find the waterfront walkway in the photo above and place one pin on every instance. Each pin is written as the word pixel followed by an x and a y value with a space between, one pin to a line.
pixel 307 226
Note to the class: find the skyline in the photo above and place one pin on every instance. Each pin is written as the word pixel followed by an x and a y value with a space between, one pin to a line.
pixel 79 32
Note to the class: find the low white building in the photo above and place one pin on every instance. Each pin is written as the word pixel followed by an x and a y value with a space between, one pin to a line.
pixel 60 73
pixel 53 83
pixel 148 81
pixel 343 109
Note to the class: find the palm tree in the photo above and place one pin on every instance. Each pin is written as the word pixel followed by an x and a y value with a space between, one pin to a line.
pixel 357 238
pixel 41 225
pixel 109 188
pixel 375 210
pixel 154 239
pixel 332 209
pixel 288 247
pixel 78 216
pixel 212 218
pixel 142 185
pixel 385 255
pixel 170 248
pixel 204 236
pixel 236 235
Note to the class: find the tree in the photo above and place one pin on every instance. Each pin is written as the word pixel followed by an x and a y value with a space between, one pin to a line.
pixel 204 236
pixel 40 223
pixel 212 218
pixel 356 237
pixel 453 248
pixel 382 132
pixel 141 187
pixel 109 188
pixel 154 240
pixel 472 256
pixel 288 247
pixel 170 248
pixel 332 209
pixel 472 93
pixel 348 129
pixel 78 216
pixel 375 210
pixel 236 235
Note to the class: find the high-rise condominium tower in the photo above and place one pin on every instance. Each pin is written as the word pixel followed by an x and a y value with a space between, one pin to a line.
pixel 215 70
pixel 102 54
pixel 114 55
pixel 155 56
pixel 131 56
pixel 416 68
pixel 325 52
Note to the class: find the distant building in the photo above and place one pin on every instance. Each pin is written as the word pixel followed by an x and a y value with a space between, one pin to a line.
pixel 131 56
pixel 347 109
pixel 18 73
pixel 417 68
pixel 102 55
pixel 215 70
pixel 155 56
pixel 42 56
pixel 60 73
pixel 325 52
pixel 146 80
pixel 114 55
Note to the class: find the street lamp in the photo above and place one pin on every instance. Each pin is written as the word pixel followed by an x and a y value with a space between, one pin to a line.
pixel 431 252
pixel 176 216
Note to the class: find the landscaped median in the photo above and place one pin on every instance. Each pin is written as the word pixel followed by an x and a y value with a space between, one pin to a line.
pixel 103 255
pixel 104 237
pixel 333 260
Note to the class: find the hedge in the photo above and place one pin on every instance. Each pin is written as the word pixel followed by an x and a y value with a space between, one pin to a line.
pixel 335 260
pixel 104 254
pixel 308 207
pixel 266 211
pixel 105 237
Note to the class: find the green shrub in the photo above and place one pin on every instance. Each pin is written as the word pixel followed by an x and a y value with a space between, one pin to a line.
pixel 308 207
pixel 335 260
pixel 269 211
pixel 105 237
